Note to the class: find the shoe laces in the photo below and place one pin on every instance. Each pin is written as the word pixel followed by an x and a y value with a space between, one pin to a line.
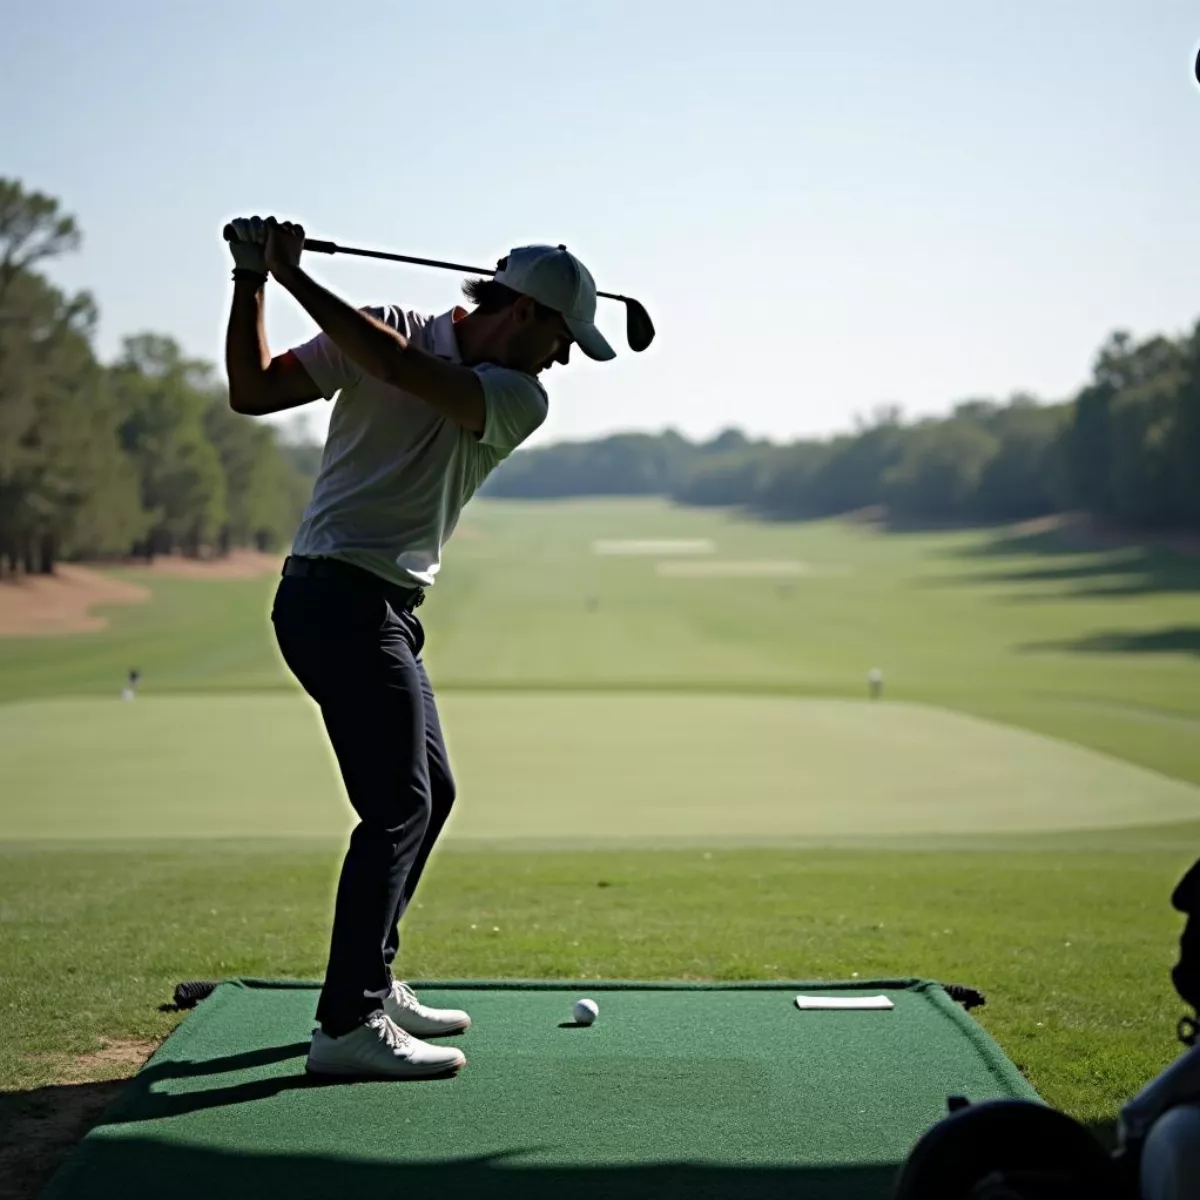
pixel 395 1037
pixel 405 996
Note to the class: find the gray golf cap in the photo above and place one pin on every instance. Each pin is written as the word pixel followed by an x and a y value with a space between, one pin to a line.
pixel 553 276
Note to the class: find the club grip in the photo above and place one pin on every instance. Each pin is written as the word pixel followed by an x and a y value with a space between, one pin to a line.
pixel 313 244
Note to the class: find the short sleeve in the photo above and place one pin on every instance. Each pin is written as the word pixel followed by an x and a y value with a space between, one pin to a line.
pixel 328 367
pixel 515 406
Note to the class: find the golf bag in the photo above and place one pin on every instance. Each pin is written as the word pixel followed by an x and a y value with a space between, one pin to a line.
pixel 1186 973
pixel 1017 1150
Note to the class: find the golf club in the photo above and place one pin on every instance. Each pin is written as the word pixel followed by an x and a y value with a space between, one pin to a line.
pixel 639 329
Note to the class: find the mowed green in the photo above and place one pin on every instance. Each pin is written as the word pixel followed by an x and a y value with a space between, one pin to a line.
pixel 664 772
pixel 573 769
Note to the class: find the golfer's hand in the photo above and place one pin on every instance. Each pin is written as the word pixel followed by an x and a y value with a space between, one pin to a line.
pixel 285 241
pixel 248 243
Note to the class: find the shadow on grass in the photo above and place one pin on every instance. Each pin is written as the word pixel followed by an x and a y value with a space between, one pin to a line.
pixel 40 1127
pixel 117 1164
pixel 916 525
pixel 144 1167
pixel 1182 639
pixel 120 1161
pixel 1095 569
pixel 108 1168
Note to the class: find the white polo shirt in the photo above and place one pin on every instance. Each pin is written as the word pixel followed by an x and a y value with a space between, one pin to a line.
pixel 395 474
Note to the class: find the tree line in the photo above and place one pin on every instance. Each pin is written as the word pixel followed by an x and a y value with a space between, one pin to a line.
pixel 1126 449
pixel 141 456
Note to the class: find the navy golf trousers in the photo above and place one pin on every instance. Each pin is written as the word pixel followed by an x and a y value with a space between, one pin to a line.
pixel 356 649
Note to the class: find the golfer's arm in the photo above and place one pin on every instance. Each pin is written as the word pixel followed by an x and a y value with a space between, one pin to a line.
pixel 257 384
pixel 454 390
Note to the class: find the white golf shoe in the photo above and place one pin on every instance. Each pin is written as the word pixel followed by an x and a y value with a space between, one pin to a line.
pixel 402 1005
pixel 380 1049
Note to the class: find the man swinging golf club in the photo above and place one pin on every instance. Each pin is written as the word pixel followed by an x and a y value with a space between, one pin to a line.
pixel 426 408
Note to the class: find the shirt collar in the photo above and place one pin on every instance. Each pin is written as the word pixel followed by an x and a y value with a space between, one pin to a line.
pixel 445 343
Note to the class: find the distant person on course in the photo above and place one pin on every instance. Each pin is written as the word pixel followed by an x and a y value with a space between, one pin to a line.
pixel 427 407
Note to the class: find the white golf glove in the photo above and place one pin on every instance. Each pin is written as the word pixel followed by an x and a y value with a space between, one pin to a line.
pixel 248 244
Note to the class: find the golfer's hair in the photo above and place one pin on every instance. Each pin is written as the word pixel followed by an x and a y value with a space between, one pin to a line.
pixel 488 295
pixel 491 297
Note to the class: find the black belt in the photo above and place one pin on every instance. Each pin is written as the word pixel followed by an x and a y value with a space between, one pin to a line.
pixel 333 568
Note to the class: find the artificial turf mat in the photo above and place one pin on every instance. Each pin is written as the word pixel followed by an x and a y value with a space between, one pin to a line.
pixel 697 1090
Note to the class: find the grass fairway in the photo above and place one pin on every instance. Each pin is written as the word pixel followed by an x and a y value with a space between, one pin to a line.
pixel 667 769
pixel 1100 648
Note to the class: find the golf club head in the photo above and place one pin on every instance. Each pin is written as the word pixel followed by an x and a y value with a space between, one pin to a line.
pixel 639 329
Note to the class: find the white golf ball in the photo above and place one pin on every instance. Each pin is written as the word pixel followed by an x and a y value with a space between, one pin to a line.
pixel 586 1011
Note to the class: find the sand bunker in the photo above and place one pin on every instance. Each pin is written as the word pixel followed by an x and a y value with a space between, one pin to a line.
pixel 653 546
pixel 62 603
pixel 238 564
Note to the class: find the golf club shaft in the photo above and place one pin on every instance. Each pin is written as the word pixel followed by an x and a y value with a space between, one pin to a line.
pixel 320 247
pixel 639 329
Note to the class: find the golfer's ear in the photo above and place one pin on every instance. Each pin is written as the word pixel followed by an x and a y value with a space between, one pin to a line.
pixel 524 309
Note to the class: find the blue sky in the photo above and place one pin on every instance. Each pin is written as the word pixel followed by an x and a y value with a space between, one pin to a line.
pixel 824 207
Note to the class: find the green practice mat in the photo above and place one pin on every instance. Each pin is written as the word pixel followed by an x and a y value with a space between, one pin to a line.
pixel 697 1090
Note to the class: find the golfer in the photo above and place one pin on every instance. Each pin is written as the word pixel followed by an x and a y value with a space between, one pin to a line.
pixel 426 407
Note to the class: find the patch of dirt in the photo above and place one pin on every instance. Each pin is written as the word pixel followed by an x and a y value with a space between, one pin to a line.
pixel 62 603
pixel 1055 523
pixel 238 564
pixel 40 1127
pixel 873 514
pixel 73 1068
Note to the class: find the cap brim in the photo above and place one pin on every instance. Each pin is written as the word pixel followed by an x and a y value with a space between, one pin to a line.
pixel 590 340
